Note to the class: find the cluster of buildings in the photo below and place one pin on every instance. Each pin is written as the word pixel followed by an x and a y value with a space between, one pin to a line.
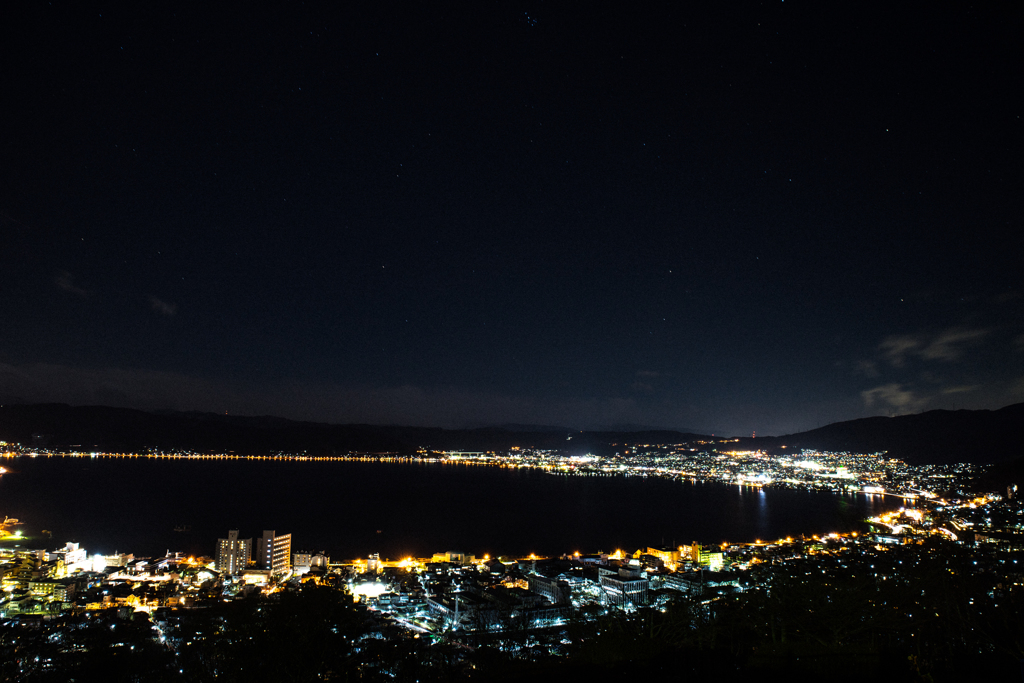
pixel 529 603
pixel 452 589
pixel 42 582
pixel 459 592
pixel 443 592
pixel 456 592
pixel 269 556
pixel 717 461
pixel 838 472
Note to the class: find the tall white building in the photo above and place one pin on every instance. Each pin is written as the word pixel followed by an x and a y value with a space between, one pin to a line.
pixel 73 556
pixel 275 552
pixel 233 553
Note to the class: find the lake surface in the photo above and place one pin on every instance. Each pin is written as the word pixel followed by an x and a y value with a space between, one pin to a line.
pixel 351 509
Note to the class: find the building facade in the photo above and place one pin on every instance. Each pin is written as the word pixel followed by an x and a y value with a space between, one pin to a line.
pixel 628 587
pixel 233 553
pixel 275 552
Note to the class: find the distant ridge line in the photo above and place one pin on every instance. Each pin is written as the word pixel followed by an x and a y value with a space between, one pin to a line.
pixel 937 436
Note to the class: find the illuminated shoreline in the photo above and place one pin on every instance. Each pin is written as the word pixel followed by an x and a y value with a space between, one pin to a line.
pixel 869 474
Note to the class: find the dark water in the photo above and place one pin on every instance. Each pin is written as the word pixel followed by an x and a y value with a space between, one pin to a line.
pixel 351 509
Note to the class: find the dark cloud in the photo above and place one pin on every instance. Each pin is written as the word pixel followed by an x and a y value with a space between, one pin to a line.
pixel 893 397
pixel 868 368
pixel 162 307
pixel 66 282
pixel 896 348
pixel 961 389
pixel 948 345
pixel 951 344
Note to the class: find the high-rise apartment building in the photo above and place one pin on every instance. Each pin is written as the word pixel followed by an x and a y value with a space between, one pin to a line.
pixel 233 553
pixel 628 588
pixel 275 552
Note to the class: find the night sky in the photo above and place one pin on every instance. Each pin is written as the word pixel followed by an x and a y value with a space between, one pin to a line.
pixel 723 217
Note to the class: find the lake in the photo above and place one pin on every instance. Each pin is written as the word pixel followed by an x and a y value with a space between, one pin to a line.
pixel 350 509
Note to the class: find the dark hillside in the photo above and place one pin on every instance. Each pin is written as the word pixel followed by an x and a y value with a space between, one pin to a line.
pixel 937 436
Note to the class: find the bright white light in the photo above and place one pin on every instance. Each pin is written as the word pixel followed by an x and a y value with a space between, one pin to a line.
pixel 369 590
pixel 99 563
